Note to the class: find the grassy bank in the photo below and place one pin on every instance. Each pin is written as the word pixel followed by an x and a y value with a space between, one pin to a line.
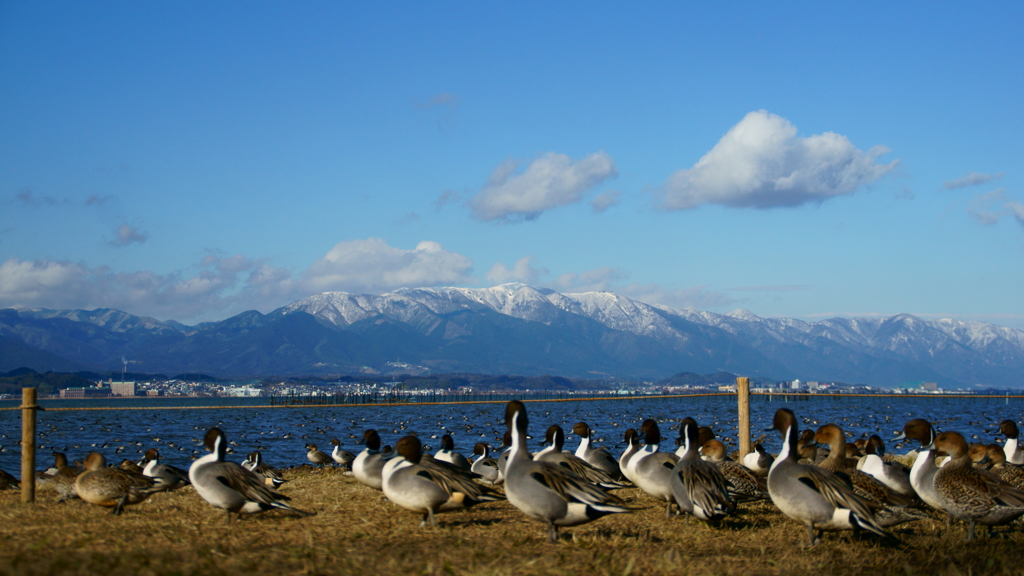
pixel 357 532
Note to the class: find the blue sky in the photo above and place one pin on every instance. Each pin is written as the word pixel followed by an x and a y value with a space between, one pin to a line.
pixel 191 161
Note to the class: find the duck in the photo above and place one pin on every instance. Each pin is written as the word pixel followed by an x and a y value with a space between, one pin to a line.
pixel 922 473
pixel 1014 454
pixel 1010 473
pixel 546 492
pixel 759 461
pixel 317 457
pixel 744 484
pixel 130 466
pixel 555 438
pixel 651 470
pixel 448 454
pixel 112 488
pixel 485 466
pixel 599 458
pixel 255 464
pixel 632 438
pixel 165 476
pixel 369 463
pixel 973 495
pixel 61 477
pixel 427 489
pixel 893 475
pixel 228 486
pixel 699 487
pixel 813 496
pixel 342 458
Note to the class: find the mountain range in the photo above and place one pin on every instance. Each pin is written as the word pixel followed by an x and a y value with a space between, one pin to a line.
pixel 517 329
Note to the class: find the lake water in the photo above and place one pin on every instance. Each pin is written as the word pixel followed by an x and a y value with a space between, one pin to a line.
pixel 282 433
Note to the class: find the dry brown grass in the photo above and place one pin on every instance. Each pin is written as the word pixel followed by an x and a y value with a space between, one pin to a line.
pixel 357 532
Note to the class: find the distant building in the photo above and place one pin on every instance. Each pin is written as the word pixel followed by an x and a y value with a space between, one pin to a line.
pixel 813 386
pixel 97 392
pixel 930 386
pixel 122 388
pixel 796 384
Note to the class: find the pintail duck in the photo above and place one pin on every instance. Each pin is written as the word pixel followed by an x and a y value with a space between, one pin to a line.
pixel 699 487
pixel 555 438
pixel 922 473
pixel 317 457
pixel 485 466
pixel 995 458
pixel 892 507
pixel 813 496
pixel 61 477
pixel 808 449
pixel 271 476
pixel 369 463
pixel 974 495
pixel 744 484
pixel 111 487
pixel 758 461
pixel 632 439
pixel 599 458
pixel 448 454
pixel 428 489
pixel 167 477
pixel 894 475
pixel 342 458
pixel 650 469
pixel 130 466
pixel 1014 454
pixel 546 492
pixel 230 487
pixel 8 481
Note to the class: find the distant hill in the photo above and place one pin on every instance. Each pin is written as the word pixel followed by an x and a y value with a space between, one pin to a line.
pixel 518 329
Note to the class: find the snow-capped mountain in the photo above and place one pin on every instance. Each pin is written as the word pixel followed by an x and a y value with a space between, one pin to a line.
pixel 516 328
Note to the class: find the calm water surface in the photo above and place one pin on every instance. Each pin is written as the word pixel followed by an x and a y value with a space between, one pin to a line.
pixel 282 433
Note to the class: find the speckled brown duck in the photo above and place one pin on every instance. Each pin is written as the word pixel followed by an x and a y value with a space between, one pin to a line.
pixel 112 488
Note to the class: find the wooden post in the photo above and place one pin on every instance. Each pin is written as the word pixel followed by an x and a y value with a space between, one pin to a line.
pixel 28 445
pixel 743 398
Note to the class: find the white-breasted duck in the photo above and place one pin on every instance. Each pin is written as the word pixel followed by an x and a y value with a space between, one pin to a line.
pixel 448 454
pixel 699 487
pixel 428 489
pixel 632 439
pixel 1012 449
pixel 369 463
pixel 555 438
pixel 341 457
pixel 813 496
pixel 759 461
pixel 255 464
pixel 165 476
pixel 922 473
pixel 894 475
pixel 485 466
pixel 599 458
pixel 228 486
pixel 651 470
pixel 546 492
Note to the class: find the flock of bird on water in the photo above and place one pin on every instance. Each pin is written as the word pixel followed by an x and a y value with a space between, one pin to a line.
pixel 817 479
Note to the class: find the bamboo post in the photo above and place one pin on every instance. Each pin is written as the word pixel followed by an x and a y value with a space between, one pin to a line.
pixel 28 445
pixel 743 398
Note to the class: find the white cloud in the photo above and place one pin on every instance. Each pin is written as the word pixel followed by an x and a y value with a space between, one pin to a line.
pixel 605 200
pixel 548 182
pixel 219 287
pixel 127 235
pixel 602 279
pixel 762 163
pixel 523 272
pixel 372 265
pixel 972 179
pixel 1016 210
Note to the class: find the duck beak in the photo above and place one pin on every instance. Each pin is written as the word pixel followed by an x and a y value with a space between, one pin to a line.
pixel 902 436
